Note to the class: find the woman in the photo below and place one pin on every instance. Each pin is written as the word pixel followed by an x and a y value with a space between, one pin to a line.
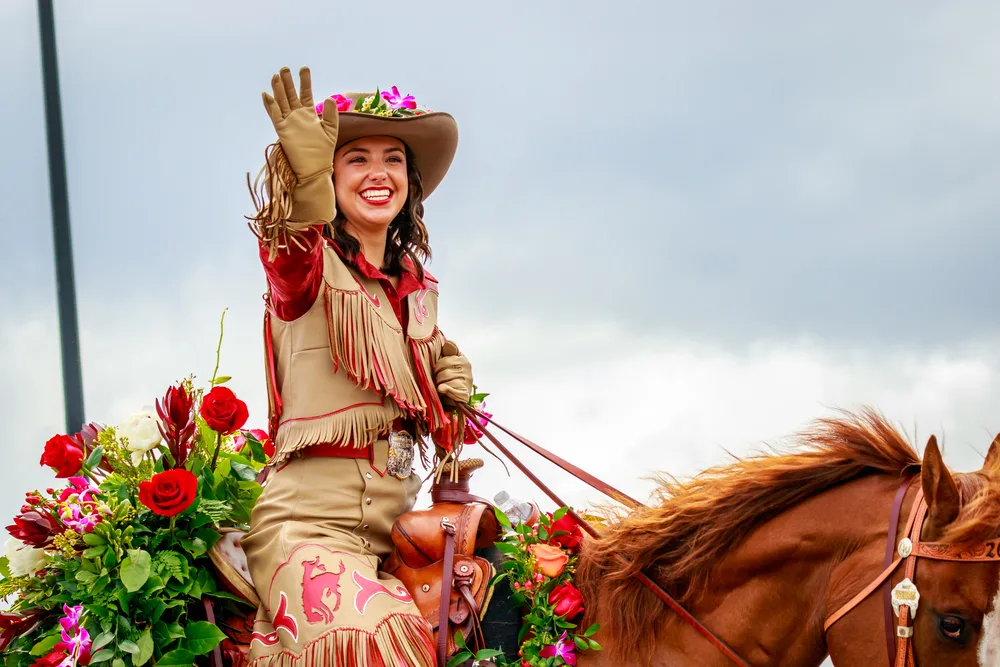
pixel 357 372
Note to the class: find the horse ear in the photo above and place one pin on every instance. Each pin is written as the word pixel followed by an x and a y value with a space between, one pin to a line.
pixel 992 462
pixel 940 492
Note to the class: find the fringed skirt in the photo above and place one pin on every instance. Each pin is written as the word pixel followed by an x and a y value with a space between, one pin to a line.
pixel 319 532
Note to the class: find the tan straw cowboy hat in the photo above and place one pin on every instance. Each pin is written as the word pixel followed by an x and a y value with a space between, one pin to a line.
pixel 432 136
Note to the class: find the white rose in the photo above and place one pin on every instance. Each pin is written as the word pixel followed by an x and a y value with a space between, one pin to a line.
pixel 23 560
pixel 142 432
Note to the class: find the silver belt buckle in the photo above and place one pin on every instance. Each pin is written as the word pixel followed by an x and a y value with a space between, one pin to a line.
pixel 400 461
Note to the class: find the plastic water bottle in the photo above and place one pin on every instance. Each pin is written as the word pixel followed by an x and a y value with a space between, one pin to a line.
pixel 516 511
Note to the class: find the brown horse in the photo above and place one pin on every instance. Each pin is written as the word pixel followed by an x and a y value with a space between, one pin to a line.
pixel 765 550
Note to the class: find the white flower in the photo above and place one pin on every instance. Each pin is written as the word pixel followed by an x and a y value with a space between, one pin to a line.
pixel 23 559
pixel 142 432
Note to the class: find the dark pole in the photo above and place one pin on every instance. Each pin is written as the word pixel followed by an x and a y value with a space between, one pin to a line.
pixel 62 240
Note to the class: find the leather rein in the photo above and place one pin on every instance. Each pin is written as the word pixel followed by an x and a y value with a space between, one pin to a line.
pixel 900 601
pixel 605 488
pixel 903 600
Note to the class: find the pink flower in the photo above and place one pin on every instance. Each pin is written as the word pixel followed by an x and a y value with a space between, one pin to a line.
pixel 397 101
pixel 561 649
pixel 69 513
pixel 79 490
pixel 81 518
pixel 86 523
pixel 343 104
pixel 75 640
pixel 71 621
pixel 77 647
pixel 472 431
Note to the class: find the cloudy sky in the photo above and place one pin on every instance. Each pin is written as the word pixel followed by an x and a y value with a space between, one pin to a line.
pixel 671 230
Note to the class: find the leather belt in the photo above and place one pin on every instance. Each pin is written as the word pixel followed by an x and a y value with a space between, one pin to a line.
pixel 400 453
pixel 336 451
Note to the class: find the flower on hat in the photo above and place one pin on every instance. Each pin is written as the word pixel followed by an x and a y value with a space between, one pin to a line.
pixel 343 104
pixel 386 103
pixel 397 101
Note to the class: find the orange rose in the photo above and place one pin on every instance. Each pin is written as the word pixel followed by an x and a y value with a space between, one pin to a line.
pixel 551 560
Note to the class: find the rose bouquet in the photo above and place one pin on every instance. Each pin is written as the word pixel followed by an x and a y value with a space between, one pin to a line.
pixel 111 566
pixel 540 561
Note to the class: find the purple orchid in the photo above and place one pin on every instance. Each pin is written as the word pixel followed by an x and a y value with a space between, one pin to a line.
pixel 70 513
pixel 87 523
pixel 77 647
pixel 73 517
pixel 75 640
pixel 561 649
pixel 80 490
pixel 72 618
pixel 397 101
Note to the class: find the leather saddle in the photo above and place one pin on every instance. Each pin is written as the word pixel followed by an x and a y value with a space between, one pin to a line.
pixel 434 557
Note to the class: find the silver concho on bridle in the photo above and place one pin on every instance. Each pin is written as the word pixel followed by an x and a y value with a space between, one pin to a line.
pixel 401 446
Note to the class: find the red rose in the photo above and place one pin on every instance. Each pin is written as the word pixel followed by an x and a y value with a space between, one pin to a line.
pixel 567 601
pixel 170 492
pixel 35 528
pixel 223 411
pixel 63 454
pixel 571 537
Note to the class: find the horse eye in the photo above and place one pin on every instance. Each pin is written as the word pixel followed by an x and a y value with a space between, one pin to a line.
pixel 952 627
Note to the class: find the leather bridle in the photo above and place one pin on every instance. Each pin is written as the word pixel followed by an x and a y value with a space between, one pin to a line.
pixel 901 602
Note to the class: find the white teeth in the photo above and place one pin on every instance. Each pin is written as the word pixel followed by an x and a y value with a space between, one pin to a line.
pixel 376 195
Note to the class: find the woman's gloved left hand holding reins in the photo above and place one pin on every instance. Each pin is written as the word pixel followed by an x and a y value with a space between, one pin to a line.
pixel 453 375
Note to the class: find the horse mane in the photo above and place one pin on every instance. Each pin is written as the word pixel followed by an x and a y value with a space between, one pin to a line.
pixel 682 537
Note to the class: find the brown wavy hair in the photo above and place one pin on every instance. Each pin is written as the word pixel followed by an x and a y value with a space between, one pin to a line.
pixel 407 235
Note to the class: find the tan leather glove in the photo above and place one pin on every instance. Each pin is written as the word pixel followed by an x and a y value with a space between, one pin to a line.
pixel 308 142
pixel 453 375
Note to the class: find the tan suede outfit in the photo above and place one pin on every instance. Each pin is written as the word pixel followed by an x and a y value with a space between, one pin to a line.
pixel 343 373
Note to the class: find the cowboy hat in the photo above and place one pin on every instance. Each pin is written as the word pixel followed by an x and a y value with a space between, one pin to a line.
pixel 431 136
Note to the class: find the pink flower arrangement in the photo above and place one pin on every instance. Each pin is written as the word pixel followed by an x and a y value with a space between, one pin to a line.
pixel 116 527
pixel 386 103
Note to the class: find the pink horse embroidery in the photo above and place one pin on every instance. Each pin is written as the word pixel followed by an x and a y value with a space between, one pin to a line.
pixel 317 584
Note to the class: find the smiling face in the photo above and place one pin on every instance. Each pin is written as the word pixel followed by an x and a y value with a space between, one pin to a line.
pixel 369 178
